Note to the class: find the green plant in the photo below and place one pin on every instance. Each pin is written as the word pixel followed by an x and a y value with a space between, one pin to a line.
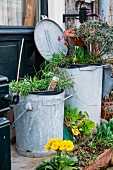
pixel 48 78
pixel 78 122
pixel 98 34
pixel 91 147
pixel 77 55
pixel 105 133
pixel 61 161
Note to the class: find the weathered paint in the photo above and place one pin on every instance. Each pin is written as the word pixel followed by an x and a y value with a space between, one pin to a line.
pixel 106 10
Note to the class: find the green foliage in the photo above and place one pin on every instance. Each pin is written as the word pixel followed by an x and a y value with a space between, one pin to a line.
pixel 42 80
pixel 78 122
pixel 105 132
pixel 63 162
pixel 82 56
pixel 78 55
pixel 98 34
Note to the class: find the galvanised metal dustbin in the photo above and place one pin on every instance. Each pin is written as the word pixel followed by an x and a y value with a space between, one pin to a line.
pixel 38 117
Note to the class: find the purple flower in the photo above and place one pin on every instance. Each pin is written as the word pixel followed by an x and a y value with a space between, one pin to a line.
pixel 59 38
pixel 88 13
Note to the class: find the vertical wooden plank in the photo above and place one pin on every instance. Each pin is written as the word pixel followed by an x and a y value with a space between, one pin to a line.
pixel 30 13
pixel 96 6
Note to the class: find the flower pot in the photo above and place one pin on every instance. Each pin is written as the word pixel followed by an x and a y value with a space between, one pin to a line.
pixel 101 161
pixel 42 117
pixel 87 90
pixel 67 135
pixel 107 110
pixel 76 41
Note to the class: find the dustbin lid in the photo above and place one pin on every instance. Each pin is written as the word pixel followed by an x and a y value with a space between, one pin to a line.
pixel 46 35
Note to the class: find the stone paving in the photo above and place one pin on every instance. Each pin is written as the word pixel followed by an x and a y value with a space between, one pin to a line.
pixel 19 162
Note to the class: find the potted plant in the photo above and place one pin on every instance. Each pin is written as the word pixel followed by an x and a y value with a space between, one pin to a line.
pixel 39 114
pixel 85 64
pixel 96 33
pixel 61 160
pixel 94 150
pixel 78 123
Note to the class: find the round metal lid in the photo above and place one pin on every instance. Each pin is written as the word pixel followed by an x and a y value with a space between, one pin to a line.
pixel 46 35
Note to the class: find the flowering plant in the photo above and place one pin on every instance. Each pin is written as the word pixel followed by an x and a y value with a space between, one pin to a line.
pixel 62 161
pixel 78 122
pixel 59 145
pixel 49 78
pixel 86 44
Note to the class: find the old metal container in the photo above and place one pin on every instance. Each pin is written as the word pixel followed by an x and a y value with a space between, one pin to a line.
pixel 42 116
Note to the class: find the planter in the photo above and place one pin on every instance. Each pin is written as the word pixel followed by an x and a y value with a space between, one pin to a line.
pixel 76 41
pixel 101 161
pixel 67 135
pixel 107 110
pixel 87 90
pixel 38 117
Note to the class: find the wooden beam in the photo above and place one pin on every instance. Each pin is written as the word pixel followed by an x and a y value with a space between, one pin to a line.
pixel 30 13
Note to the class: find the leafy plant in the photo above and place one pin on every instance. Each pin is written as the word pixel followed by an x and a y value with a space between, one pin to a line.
pixel 78 122
pixel 105 132
pixel 62 161
pixel 77 55
pixel 97 37
pixel 98 34
pixel 48 78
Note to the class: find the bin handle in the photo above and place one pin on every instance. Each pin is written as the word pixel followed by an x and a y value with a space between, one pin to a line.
pixel 68 97
pixel 28 108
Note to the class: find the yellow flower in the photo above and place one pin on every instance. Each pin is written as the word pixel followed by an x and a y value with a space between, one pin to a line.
pixel 59 144
pixel 62 146
pixel 51 141
pixel 68 145
pixel 48 148
pixel 25 80
pixel 55 145
pixel 75 130
pixel 16 82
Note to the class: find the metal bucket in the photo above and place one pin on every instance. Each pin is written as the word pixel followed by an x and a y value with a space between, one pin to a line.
pixel 87 90
pixel 38 117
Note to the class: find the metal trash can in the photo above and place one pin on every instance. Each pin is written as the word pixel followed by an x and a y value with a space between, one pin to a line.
pixel 38 117
pixel 5 157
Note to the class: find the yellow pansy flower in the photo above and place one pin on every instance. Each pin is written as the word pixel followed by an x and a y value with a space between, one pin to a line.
pixel 75 130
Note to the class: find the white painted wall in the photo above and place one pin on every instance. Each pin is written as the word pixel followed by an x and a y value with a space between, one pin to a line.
pixel 56 9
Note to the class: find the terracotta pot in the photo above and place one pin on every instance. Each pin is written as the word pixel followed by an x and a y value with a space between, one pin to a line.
pixel 107 110
pixel 101 161
pixel 76 41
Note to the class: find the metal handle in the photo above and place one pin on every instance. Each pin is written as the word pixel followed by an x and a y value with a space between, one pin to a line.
pixel 68 97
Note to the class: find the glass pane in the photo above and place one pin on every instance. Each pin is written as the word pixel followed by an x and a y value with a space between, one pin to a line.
pixel 11 12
